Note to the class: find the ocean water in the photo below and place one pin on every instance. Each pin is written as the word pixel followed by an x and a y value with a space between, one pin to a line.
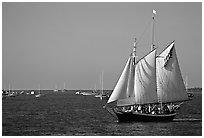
pixel 67 114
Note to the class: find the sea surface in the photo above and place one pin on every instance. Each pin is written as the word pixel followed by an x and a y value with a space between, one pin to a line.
pixel 68 114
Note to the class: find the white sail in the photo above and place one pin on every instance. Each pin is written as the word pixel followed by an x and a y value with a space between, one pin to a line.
pixel 170 83
pixel 129 93
pixel 124 89
pixel 145 79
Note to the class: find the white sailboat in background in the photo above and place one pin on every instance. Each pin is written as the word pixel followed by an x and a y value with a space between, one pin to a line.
pixel 190 94
pixel 78 92
pixel 11 92
pixel 39 94
pixel 149 89
pixel 64 90
pixel 94 90
pixel 55 90
pixel 102 95
pixel 98 95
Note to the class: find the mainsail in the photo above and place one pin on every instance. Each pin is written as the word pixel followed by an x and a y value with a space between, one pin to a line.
pixel 170 85
pixel 145 79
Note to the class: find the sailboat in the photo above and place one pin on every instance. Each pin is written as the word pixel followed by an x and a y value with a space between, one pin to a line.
pixel 11 92
pixel 64 90
pixel 94 90
pixel 150 88
pixel 102 95
pixel 55 90
pixel 190 94
pixel 39 94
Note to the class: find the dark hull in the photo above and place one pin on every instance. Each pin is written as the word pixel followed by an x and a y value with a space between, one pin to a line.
pixel 138 117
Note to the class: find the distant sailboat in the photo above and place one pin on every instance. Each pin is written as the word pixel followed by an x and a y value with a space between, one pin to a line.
pixel 55 90
pixel 39 94
pixel 77 92
pixel 87 93
pixel 149 89
pixel 22 92
pixel 11 92
pixel 64 90
pixel 32 92
pixel 98 95
pixel 95 90
pixel 190 94
pixel 102 95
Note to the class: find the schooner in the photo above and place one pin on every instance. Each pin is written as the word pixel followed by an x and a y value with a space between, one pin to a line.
pixel 150 88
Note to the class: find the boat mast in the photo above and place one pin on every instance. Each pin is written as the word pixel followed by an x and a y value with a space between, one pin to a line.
pixel 186 83
pixel 9 89
pixel 134 49
pixel 152 45
pixel 39 89
pixel 64 86
pixel 134 52
pixel 102 83
pixel 95 88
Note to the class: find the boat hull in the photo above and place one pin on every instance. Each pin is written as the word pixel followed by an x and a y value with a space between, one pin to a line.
pixel 138 117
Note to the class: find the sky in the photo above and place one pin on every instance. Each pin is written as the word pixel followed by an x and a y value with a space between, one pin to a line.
pixel 49 44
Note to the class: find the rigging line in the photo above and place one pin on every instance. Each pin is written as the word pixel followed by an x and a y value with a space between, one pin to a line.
pixel 148 24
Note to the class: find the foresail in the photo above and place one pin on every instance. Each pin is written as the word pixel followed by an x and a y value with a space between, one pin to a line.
pixel 145 79
pixel 170 83
pixel 124 87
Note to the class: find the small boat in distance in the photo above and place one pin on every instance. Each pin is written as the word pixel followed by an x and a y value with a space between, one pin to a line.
pixel 77 93
pixel 22 92
pixel 55 90
pixel 87 93
pixel 39 94
pixel 101 95
pixel 150 88
pixel 64 90
pixel 94 90
pixel 190 94
pixel 11 93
